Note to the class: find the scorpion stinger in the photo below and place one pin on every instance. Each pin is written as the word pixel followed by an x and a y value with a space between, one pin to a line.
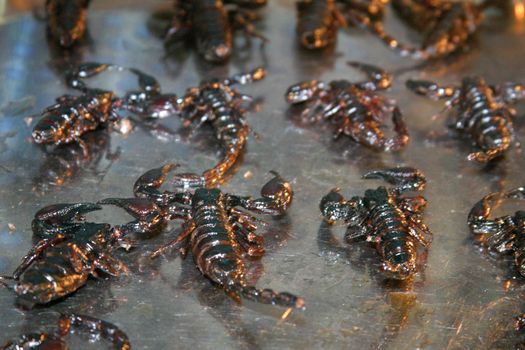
pixel 433 90
pixel 404 178
pixel 379 78
pixel 75 75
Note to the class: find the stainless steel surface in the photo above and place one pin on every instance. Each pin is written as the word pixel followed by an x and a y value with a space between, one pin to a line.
pixel 462 299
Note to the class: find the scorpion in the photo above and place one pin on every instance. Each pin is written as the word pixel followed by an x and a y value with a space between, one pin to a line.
pixel 385 217
pixel 66 20
pixel 210 25
pixel 483 112
pixel 68 323
pixel 503 235
pixel 216 227
pixel 70 250
pixel 355 107
pixel 217 103
pixel 446 25
pixel 73 116
pixel 318 20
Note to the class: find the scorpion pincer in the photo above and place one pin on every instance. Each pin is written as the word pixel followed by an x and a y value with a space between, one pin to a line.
pixel 218 228
pixel 483 112
pixel 70 250
pixel 447 26
pixel 73 116
pixel 505 234
pixel 68 323
pixel 66 20
pixel 211 25
pixel 385 217
pixel 356 107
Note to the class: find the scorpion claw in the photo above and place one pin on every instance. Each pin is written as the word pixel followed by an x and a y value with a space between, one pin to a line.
pixel 85 70
pixel 152 179
pixel 59 218
pixel 379 78
pixel 147 214
pixel 303 91
pixel 279 191
pixel 405 178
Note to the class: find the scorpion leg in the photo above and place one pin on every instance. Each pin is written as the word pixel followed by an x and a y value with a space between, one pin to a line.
pixel 59 219
pixel 510 92
pixel 181 239
pixel 110 265
pixel 478 218
pixel 276 197
pixel 94 326
pixel 379 79
pixel 257 74
pixel 244 19
pixel 404 178
pixel 149 217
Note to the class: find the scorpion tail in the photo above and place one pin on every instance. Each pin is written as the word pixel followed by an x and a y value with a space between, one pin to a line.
pixel 401 139
pixel 487 156
pixel 268 296
pixel 377 29
pixel 404 178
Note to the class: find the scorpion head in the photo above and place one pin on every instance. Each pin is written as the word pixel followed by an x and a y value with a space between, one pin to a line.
pixel 47 130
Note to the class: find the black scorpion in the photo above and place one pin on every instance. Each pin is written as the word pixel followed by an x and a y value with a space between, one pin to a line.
pixel 215 227
pixel 210 25
pixel 73 116
pixel 482 112
pixel 67 324
pixel 70 250
pixel 318 20
pixel 502 235
pixel 384 217
pixel 356 108
pixel 66 20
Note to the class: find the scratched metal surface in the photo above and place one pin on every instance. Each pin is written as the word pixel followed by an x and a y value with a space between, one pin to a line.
pixel 462 300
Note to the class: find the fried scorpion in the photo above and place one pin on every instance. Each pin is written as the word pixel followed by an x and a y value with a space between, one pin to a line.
pixel 70 250
pixel 73 116
pixel 502 235
pixel 210 24
pixel 446 25
pixel 385 217
pixel 215 227
pixel 482 112
pixel 356 108
pixel 318 20
pixel 66 325
pixel 66 20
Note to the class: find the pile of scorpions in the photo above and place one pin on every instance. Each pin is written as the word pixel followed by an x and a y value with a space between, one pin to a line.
pixel 222 229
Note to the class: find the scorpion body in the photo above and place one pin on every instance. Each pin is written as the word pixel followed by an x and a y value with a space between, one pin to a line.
pixel 67 324
pixel 66 20
pixel 385 218
pixel 356 107
pixel 503 235
pixel 483 112
pixel 68 252
pixel 217 103
pixel 74 116
pixel 447 26
pixel 211 24
pixel 216 230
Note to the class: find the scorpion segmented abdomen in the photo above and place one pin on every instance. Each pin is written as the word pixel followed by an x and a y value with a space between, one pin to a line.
pixel 213 247
pixel 50 277
pixel 395 243
pixel 212 30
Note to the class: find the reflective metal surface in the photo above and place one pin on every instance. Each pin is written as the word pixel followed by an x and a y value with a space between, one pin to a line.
pixel 463 299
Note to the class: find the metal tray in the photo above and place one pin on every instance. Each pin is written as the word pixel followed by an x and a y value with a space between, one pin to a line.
pixel 463 299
